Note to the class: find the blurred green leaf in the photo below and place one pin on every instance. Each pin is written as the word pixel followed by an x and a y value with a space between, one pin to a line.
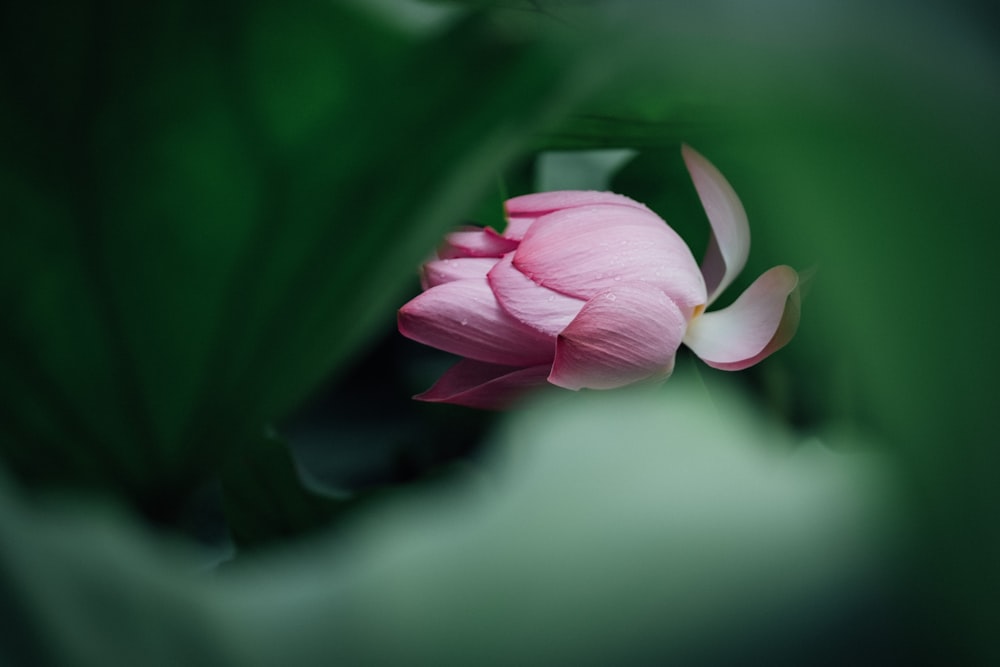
pixel 617 129
pixel 703 527
pixel 235 202
pixel 85 588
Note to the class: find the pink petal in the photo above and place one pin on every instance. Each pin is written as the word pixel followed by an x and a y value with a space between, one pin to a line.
pixel 524 210
pixel 463 268
pixel 758 323
pixel 463 317
pixel 517 227
pixel 475 242
pixel 488 386
pixel 625 334
pixel 729 244
pixel 588 249
pixel 538 307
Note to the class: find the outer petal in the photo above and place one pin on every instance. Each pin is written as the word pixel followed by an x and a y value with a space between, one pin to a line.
pixel 625 334
pixel 475 242
pixel 442 271
pixel 489 386
pixel 538 307
pixel 523 210
pixel 758 323
pixel 463 317
pixel 588 249
pixel 729 245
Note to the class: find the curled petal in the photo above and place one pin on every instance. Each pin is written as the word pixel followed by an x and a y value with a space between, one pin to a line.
pixel 463 317
pixel 623 335
pixel 442 271
pixel 475 242
pixel 588 249
pixel 488 386
pixel 729 244
pixel 758 323
pixel 539 307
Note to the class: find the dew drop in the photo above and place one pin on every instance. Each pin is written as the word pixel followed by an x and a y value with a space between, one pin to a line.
pixel 611 297
pixel 464 322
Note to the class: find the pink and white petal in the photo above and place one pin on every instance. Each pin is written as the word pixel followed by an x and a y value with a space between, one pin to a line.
pixel 487 386
pixel 441 271
pixel 760 321
pixel 729 245
pixel 464 318
pixel 539 307
pixel 585 250
pixel 786 330
pixel 475 242
pixel 626 334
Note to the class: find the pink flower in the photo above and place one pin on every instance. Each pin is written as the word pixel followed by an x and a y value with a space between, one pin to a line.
pixel 594 290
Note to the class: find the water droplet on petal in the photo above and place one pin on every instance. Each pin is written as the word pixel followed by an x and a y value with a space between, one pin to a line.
pixel 464 322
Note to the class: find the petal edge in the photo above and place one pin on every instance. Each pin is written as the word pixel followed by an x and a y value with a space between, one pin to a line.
pixel 463 317
pixel 475 384
pixel 629 333
pixel 729 243
pixel 538 307
pixel 761 321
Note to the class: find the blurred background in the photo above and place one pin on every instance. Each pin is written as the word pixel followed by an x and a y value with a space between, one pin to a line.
pixel 211 212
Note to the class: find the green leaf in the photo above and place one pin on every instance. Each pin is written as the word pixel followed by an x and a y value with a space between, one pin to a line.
pixel 237 200
pixel 86 588
pixel 562 547
pixel 617 129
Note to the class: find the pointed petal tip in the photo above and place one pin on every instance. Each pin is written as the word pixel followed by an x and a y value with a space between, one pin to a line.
pixel 471 241
pixel 462 317
pixel 484 386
